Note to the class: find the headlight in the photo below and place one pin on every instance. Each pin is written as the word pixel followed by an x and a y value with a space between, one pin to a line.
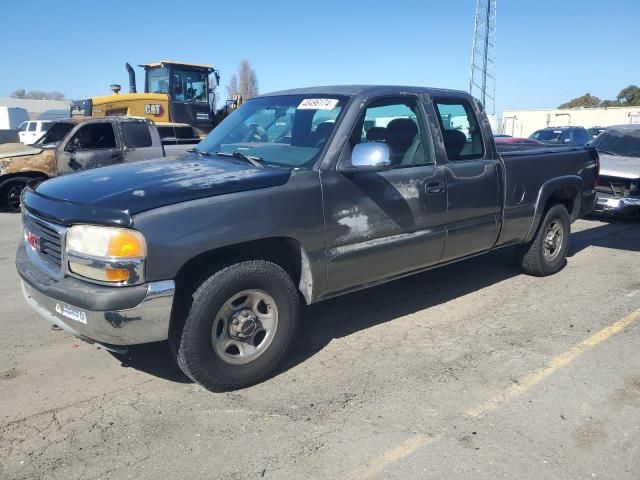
pixel 106 254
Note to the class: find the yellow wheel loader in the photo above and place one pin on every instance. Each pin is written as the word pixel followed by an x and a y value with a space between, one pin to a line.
pixel 174 92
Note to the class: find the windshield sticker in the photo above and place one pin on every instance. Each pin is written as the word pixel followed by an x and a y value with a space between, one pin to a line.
pixel 318 104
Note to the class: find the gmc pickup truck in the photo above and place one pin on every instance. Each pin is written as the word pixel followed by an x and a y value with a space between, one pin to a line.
pixel 296 197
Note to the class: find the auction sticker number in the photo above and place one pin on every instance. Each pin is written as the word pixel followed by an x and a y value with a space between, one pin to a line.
pixel 318 104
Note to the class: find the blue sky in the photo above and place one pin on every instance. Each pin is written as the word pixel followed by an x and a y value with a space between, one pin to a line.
pixel 548 51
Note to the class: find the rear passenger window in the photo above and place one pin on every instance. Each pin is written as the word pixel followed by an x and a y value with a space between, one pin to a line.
pixel 460 130
pixel 397 122
pixel 136 134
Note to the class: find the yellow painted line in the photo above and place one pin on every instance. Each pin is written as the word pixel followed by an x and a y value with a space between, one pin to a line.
pixel 554 365
pixel 378 464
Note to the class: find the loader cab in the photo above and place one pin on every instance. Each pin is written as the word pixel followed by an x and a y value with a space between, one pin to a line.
pixel 188 88
pixel 182 82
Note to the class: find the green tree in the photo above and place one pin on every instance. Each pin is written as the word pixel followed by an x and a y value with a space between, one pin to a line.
pixel 587 100
pixel 38 94
pixel 629 96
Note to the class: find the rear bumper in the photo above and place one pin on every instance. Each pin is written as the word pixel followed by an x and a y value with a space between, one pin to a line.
pixel 620 206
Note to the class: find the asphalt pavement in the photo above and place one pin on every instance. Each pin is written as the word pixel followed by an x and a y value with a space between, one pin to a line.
pixel 469 371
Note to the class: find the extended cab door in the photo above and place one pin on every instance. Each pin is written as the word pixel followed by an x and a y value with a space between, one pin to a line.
pixel 141 140
pixel 90 145
pixel 474 195
pixel 381 224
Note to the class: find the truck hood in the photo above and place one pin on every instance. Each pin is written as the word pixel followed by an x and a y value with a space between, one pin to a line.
pixel 17 150
pixel 619 166
pixel 124 190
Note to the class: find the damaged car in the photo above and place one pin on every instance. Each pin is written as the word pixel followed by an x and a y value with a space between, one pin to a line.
pixel 619 182
pixel 73 145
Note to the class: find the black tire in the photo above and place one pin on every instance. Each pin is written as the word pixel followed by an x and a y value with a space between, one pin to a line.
pixel 11 193
pixel 532 257
pixel 191 337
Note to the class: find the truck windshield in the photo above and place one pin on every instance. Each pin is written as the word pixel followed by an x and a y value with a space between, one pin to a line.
pixel 55 134
pixel 624 142
pixel 287 130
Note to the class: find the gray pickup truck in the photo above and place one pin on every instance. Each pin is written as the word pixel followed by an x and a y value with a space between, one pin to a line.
pixel 297 197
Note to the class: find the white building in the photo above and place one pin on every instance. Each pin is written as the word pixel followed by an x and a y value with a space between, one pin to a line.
pixel 35 107
pixel 522 123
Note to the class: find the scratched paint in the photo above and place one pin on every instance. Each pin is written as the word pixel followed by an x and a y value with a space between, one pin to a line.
pixel 356 223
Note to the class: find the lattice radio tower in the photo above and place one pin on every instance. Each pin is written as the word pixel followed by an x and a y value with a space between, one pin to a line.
pixel 482 82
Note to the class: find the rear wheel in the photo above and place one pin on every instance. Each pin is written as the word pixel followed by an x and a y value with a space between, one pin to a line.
pixel 546 254
pixel 240 324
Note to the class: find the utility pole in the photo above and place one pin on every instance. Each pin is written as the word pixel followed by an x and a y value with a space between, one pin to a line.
pixel 482 82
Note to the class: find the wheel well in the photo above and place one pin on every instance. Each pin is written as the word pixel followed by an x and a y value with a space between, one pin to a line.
pixel 22 176
pixel 284 252
pixel 566 196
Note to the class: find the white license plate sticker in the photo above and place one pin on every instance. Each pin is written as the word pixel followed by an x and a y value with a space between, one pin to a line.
pixel 72 313
pixel 318 104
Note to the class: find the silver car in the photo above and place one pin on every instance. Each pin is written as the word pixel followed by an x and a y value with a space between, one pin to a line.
pixel 619 184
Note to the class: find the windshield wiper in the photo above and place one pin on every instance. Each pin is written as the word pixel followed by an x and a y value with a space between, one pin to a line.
pixel 201 152
pixel 255 161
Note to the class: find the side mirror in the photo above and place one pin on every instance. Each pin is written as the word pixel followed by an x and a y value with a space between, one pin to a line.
pixel 369 157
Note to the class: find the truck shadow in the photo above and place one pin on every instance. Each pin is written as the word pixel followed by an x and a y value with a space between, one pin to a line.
pixel 343 316
pixel 611 233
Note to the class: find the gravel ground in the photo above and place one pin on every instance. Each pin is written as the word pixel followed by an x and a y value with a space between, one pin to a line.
pixel 470 371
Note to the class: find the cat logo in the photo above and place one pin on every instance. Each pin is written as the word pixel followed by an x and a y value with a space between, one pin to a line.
pixel 154 109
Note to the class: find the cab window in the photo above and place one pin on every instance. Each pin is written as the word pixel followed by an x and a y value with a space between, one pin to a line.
pixel 158 80
pixel 189 86
pixel 135 134
pixel 94 136
pixel 398 124
pixel 460 130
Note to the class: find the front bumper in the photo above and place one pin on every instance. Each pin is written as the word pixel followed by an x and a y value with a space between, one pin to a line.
pixel 147 322
pixel 99 314
pixel 620 206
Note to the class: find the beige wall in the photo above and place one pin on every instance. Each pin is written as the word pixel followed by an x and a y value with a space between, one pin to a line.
pixel 522 123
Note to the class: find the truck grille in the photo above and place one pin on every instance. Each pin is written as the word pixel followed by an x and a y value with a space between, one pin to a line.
pixel 50 238
pixel 618 187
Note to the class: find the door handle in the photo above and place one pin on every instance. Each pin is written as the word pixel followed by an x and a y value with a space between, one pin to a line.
pixel 434 187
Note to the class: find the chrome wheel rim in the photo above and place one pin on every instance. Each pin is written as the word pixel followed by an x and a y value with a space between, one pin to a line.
pixel 244 327
pixel 553 238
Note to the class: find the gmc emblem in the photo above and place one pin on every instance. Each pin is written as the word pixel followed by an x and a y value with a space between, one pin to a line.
pixel 32 240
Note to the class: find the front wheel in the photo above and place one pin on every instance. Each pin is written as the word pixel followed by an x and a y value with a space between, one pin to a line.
pixel 11 194
pixel 239 326
pixel 546 254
